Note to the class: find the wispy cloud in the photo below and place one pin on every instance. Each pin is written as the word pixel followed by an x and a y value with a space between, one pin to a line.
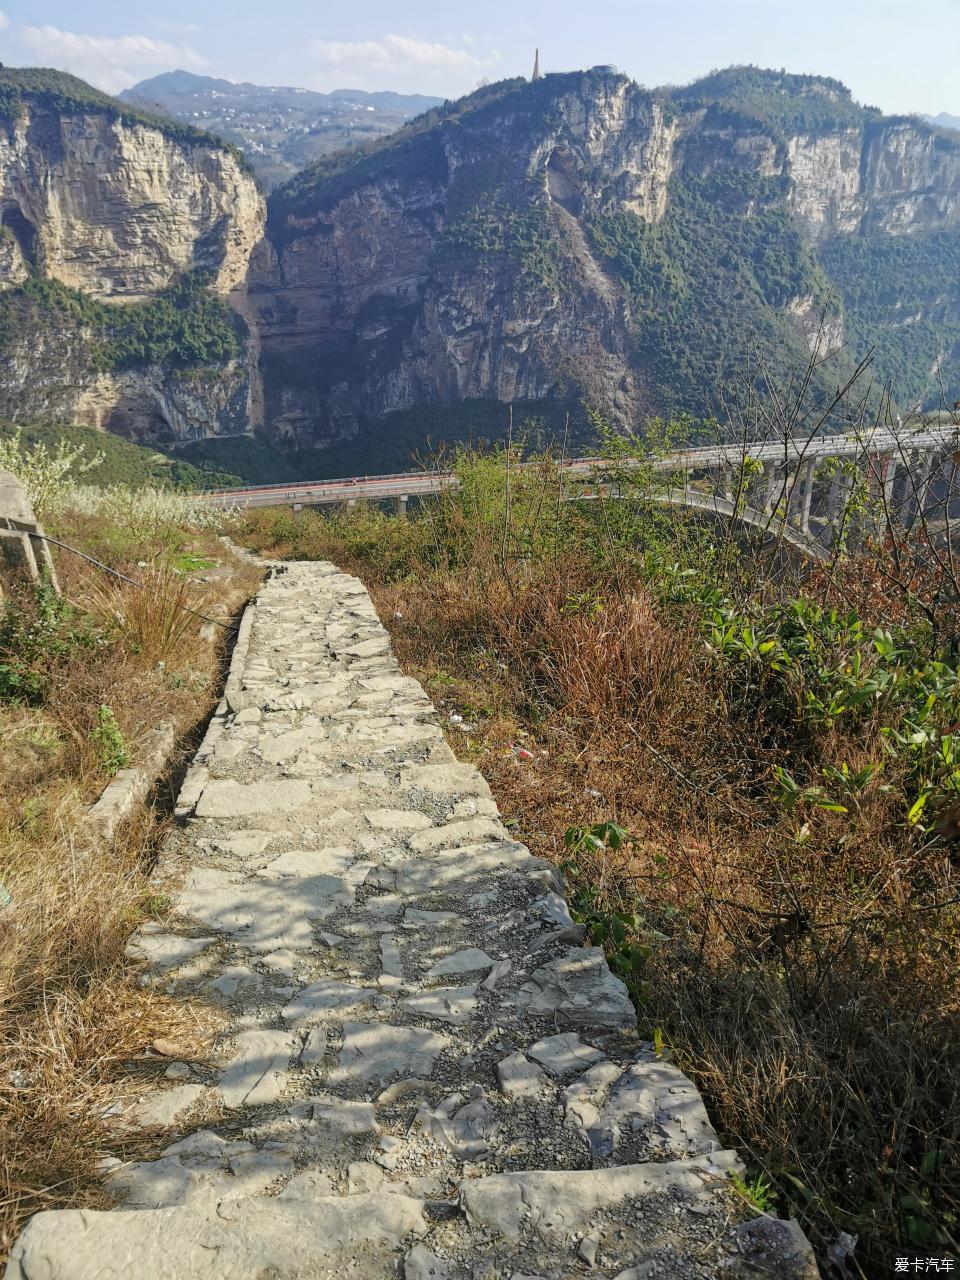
pixel 109 62
pixel 400 61
pixel 176 28
pixel 4 20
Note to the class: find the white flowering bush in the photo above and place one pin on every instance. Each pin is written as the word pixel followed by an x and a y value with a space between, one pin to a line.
pixel 144 512
pixel 47 474
pixel 51 478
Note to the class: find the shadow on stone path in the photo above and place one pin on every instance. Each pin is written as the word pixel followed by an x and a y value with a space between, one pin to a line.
pixel 426 1074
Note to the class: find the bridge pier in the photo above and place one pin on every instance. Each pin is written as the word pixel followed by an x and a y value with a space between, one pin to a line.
pixel 914 488
pixel 806 491
pixel 776 475
pixel 400 504
pixel 838 498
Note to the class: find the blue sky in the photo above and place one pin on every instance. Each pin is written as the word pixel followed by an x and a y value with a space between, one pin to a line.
pixel 901 57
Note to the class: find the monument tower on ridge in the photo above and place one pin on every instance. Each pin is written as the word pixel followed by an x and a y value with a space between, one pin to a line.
pixel 536 66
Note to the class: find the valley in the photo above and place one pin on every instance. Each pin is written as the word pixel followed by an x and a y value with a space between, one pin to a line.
pixel 578 245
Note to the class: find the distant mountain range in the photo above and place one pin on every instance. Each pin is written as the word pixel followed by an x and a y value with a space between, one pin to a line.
pixel 944 121
pixel 282 129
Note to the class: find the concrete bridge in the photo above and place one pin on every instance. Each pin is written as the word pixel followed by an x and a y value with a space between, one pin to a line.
pixel 799 489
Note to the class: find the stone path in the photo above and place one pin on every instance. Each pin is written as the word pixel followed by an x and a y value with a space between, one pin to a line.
pixel 425 1074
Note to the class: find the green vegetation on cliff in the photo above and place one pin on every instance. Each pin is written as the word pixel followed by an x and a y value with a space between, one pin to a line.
pixel 784 103
pixel 120 461
pixel 185 326
pixel 901 296
pixel 708 284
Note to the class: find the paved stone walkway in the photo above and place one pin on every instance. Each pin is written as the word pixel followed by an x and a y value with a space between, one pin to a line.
pixel 425 1074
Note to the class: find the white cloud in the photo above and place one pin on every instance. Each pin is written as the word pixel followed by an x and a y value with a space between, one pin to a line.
pixel 109 62
pixel 399 61
pixel 4 20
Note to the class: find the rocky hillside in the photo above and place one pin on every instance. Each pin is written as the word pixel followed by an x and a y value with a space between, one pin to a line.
pixel 281 129
pixel 123 238
pixel 577 241
pixel 584 238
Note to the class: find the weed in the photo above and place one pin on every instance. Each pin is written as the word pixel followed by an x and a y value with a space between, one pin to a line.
pixel 155 905
pixel 756 1191
pixel 109 742
pixel 39 633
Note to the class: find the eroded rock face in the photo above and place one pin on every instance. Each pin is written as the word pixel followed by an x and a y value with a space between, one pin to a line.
pixel 119 209
pixel 395 285
pixel 51 375
pixel 890 177
pixel 379 300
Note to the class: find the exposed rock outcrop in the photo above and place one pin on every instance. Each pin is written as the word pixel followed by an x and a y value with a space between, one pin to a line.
pixel 52 376
pixel 575 240
pixel 119 209
pixel 461 262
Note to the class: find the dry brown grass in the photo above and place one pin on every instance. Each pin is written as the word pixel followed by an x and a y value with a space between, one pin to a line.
pixel 72 1019
pixel 807 988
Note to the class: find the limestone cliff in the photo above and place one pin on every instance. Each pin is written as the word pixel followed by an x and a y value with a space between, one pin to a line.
pixel 118 208
pixel 584 238
pixel 575 241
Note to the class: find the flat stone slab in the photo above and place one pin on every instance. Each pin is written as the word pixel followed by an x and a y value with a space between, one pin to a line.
pixel 469 960
pixel 163 1109
pixel 323 997
pixel 518 1077
pixel 579 990
pixel 562 1202
pixel 377 1053
pixel 397 820
pixel 165 950
pixel 564 1054
pixel 259 1071
pixel 224 799
pixel 244 1239
pixel 446 1004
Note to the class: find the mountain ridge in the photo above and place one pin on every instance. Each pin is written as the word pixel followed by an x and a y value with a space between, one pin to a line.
pixel 280 128
pixel 577 241
pixel 584 237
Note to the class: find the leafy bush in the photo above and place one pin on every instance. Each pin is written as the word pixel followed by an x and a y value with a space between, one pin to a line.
pixel 143 514
pixel 46 472
pixel 37 636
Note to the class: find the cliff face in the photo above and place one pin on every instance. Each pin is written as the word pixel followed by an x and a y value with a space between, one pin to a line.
pixel 550 239
pixel 575 240
pixel 466 272
pixel 891 178
pixel 51 375
pixel 118 208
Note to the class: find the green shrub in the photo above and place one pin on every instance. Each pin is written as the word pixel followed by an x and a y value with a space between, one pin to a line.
pixel 108 739
pixel 38 635
pixel 185 326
